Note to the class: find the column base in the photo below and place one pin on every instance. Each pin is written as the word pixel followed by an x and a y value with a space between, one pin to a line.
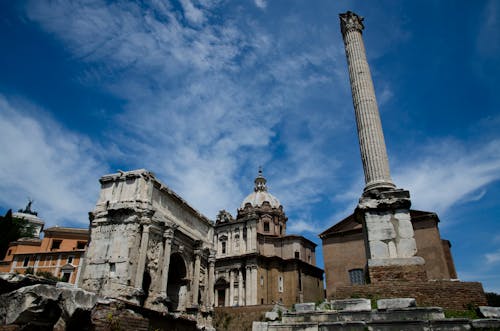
pixel 397 269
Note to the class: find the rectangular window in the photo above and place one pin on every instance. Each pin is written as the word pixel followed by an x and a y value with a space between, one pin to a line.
pixel 81 245
pixel 280 284
pixel 70 259
pixel 26 261
pixel 112 269
pixel 297 255
pixel 223 247
pixel 56 244
pixel 266 226
pixel 357 276
pixel 261 280
pixel 66 276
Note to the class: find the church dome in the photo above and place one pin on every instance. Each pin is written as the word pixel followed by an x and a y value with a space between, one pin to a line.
pixel 260 194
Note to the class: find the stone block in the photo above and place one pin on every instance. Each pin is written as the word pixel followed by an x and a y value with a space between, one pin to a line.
pixel 379 250
pixel 489 312
pixel 272 316
pixel 260 326
pixel 351 304
pixel 407 248
pixel 486 324
pixel 305 307
pixel 405 229
pixel 396 303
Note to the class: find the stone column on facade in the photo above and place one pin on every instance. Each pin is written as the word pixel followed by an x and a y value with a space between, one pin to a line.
pixel 253 299
pixel 242 248
pixel 226 297
pixel 211 279
pixel 248 285
pixel 81 262
pixel 141 263
pixel 250 237
pixel 196 276
pixel 58 266
pixel 169 236
pixel 240 288
pixel 370 135
pixel 231 288
pixel 14 264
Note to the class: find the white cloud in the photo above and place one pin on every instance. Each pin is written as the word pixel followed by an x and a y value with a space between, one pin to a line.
pixel 301 226
pixel 492 258
pixel 262 4
pixel 448 172
pixel 57 168
pixel 193 14
pixel 203 103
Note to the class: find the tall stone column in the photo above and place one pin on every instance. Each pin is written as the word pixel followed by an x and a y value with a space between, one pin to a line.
pixel 383 209
pixel 370 135
pixel 169 236
pixel 196 277
pixel 211 279
pixel 240 288
pixel 242 249
pixel 248 285
pixel 253 300
pixel 141 263
pixel 231 288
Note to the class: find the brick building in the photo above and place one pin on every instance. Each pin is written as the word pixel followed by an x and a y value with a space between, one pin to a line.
pixel 345 253
pixel 59 252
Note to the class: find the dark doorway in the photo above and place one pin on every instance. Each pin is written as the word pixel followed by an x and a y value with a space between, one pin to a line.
pixel 177 283
pixel 221 286
pixel 146 283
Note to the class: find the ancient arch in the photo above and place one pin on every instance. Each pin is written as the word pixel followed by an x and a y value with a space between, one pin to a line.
pixel 177 290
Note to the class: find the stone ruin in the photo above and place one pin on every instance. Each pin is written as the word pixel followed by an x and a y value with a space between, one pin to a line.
pixel 358 314
pixel 150 248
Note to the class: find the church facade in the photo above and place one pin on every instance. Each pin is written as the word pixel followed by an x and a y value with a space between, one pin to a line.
pixel 257 262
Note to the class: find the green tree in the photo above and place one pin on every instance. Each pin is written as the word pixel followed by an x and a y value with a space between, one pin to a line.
pixel 11 229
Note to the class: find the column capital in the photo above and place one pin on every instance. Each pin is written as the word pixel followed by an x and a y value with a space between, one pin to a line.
pixel 351 21
pixel 168 233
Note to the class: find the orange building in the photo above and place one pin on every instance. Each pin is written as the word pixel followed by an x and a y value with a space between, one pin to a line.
pixel 59 252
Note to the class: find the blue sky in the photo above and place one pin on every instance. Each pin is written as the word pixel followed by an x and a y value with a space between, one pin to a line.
pixel 203 92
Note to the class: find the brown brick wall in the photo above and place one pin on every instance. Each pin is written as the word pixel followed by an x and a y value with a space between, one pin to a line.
pixel 239 318
pixel 446 294
pixel 408 273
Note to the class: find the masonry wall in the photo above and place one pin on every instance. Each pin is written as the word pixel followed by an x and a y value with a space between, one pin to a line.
pixel 430 247
pixel 436 293
pixel 342 254
pixel 238 318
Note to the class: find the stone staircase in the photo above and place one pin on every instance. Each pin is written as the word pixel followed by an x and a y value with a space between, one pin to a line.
pixel 356 314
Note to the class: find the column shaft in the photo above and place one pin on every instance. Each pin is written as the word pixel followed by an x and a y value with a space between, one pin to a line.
pixel 240 288
pixel 370 134
pixel 196 276
pixel 231 288
pixel 168 235
pixel 211 280
pixel 141 264
pixel 248 286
